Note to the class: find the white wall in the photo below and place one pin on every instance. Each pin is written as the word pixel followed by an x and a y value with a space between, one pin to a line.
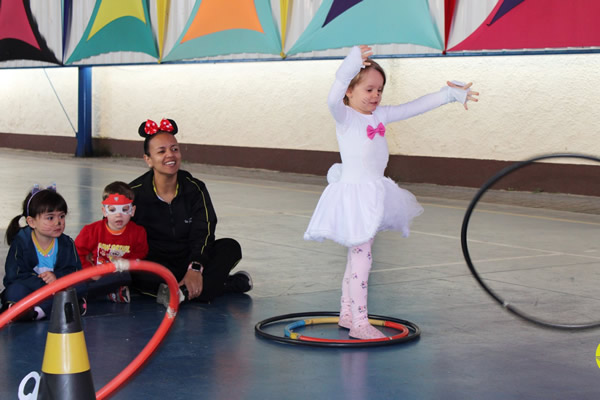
pixel 528 105
pixel 28 103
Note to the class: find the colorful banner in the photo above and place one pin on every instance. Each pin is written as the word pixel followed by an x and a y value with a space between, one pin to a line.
pixel 536 24
pixel 218 27
pixel 20 38
pixel 285 12
pixel 342 23
pixel 116 25
pixel 162 13
pixel 449 8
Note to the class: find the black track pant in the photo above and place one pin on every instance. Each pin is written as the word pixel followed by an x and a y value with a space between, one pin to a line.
pixel 224 256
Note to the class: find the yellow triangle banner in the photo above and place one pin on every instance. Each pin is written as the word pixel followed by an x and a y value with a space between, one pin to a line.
pixel 111 10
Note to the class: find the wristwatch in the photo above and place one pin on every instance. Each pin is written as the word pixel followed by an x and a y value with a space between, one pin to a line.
pixel 196 266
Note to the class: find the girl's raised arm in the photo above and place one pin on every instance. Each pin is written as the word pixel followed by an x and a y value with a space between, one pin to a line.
pixel 351 65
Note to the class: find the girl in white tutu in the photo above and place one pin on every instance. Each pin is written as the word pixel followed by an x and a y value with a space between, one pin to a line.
pixel 359 201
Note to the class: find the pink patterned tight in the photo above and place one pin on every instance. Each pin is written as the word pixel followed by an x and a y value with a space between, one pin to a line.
pixel 355 286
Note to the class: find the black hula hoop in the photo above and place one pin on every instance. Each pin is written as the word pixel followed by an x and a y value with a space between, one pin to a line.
pixel 463 240
pixel 413 331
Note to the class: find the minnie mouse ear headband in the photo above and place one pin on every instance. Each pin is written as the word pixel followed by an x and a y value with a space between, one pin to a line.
pixel 36 189
pixel 149 127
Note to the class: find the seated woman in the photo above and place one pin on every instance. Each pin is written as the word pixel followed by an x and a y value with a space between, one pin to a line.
pixel 176 210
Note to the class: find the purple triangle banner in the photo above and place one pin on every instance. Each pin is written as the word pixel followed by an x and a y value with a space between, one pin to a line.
pixel 506 7
pixel 339 7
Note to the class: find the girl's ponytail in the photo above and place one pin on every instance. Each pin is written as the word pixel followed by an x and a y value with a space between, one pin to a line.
pixel 13 228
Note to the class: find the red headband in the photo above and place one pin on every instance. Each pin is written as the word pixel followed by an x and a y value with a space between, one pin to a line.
pixel 116 199
pixel 151 128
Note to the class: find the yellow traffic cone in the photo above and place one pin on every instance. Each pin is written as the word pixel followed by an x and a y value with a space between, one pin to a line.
pixel 66 371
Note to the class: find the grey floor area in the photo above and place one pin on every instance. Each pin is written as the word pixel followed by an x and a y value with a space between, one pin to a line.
pixel 539 251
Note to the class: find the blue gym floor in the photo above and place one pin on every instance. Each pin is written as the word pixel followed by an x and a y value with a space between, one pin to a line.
pixel 545 260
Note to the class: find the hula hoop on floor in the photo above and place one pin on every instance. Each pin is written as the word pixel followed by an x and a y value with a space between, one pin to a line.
pixel 465 248
pixel 80 276
pixel 407 330
pixel 288 331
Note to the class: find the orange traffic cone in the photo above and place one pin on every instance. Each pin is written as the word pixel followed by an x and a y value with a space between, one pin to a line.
pixel 66 371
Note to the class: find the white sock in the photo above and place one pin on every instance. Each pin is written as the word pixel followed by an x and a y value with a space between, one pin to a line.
pixel 40 313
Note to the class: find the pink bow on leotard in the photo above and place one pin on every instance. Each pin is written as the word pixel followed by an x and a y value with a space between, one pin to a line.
pixel 371 132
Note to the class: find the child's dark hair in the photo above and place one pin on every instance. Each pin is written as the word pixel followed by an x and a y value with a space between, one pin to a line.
pixel 148 129
pixel 36 202
pixel 360 74
pixel 118 187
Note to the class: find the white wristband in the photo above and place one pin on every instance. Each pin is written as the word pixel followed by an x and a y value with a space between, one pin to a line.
pixel 196 266
pixel 456 94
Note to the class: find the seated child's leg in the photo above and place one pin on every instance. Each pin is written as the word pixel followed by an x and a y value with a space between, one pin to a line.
pixel 107 284
pixel 16 292
pixel 44 308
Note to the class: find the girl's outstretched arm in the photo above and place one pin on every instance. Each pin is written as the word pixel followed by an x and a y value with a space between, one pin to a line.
pixel 455 91
pixel 351 65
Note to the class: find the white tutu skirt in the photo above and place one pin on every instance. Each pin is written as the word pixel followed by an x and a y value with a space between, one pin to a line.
pixel 352 213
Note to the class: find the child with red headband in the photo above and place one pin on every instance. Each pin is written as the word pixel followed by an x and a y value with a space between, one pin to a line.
pixel 111 238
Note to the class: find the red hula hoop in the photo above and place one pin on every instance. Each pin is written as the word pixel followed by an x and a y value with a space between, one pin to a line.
pixel 100 270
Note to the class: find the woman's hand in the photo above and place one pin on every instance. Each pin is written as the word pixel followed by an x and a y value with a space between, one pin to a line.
pixel 47 277
pixel 365 52
pixel 194 283
pixel 471 95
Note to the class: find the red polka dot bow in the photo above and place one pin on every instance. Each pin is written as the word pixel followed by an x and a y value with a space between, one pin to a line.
pixel 151 127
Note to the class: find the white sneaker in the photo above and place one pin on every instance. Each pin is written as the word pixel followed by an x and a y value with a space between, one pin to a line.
pixel 163 296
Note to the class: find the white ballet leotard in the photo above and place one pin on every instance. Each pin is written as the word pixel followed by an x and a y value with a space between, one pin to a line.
pixel 359 200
